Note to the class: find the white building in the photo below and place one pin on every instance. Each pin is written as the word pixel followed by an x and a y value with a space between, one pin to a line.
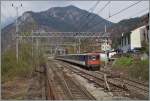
pixel 134 38
pixel 106 42
pixel 105 47
pixel 138 36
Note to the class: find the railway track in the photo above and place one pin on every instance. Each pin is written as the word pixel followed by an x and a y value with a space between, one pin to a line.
pixel 97 80
pixel 139 88
pixel 62 87
pixel 129 82
pixel 133 89
pixel 125 78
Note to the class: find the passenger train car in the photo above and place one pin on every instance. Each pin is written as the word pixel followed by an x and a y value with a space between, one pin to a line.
pixel 90 61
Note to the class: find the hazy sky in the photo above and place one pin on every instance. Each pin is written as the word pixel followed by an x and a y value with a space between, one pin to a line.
pixel 9 13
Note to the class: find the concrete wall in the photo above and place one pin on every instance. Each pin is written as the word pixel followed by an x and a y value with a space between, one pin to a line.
pixel 137 36
pixel 135 39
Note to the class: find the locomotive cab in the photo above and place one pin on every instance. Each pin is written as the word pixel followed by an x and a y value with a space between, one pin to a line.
pixel 93 61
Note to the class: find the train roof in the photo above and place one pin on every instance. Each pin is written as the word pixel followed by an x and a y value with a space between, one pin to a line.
pixel 93 53
pixel 73 54
pixel 81 54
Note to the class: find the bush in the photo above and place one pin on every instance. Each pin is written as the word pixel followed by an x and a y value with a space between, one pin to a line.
pixel 10 68
pixel 8 63
pixel 140 69
pixel 123 62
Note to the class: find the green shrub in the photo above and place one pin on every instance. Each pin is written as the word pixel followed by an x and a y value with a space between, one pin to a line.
pixel 138 69
pixel 123 62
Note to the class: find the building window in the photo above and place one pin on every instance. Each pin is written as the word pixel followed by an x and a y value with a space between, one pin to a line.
pixel 128 39
pixel 124 39
pixel 148 35
pixel 144 35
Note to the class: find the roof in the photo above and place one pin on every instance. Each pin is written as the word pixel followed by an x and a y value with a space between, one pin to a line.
pixel 139 28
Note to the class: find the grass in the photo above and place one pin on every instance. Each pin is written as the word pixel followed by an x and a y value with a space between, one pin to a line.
pixel 138 69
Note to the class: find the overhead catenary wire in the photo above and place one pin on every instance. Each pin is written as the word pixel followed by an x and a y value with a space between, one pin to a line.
pixel 104 6
pixel 138 13
pixel 90 9
pixel 86 24
pixel 125 8
pixel 86 15
pixel 117 13
pixel 93 8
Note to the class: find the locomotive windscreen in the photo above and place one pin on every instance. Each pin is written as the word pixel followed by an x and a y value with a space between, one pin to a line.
pixel 93 57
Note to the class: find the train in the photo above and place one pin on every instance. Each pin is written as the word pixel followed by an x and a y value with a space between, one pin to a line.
pixel 90 61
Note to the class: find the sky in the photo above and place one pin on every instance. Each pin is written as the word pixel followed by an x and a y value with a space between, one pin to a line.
pixel 8 13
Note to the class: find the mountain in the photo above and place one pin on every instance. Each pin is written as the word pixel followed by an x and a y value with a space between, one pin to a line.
pixel 60 19
pixel 66 19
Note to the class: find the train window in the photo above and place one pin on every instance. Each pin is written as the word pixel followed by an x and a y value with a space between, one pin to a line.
pixel 86 57
pixel 93 57
pixel 82 57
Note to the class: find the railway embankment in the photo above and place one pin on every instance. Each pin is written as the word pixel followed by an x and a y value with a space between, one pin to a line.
pixel 133 67
pixel 121 87
pixel 15 75
pixel 19 79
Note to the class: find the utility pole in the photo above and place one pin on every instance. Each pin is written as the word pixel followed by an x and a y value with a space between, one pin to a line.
pixel 79 45
pixel 105 48
pixel 105 28
pixel 17 30
pixel 32 45
pixel 74 48
pixel 106 41
pixel 76 44
pixel 37 51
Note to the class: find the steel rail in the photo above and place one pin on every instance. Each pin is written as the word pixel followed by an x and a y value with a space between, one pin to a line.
pixel 111 82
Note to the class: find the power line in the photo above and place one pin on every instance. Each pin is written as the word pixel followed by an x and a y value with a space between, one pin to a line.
pixel 125 8
pixel 93 8
pixel 138 12
pixel 104 6
pixel 117 13
pixel 86 24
